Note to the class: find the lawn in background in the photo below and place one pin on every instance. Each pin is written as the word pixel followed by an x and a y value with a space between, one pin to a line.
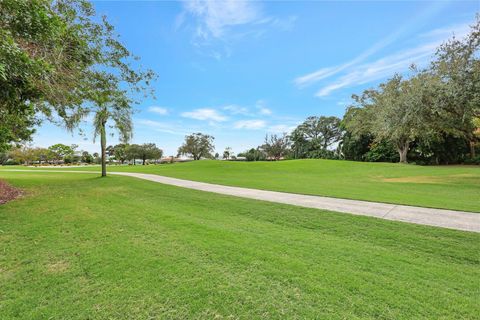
pixel 78 246
pixel 448 187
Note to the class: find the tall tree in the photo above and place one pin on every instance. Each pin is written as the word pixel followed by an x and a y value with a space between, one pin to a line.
pixel 457 91
pixel 46 47
pixel 149 151
pixel 198 145
pixel 315 134
pixel 227 152
pixel 120 152
pixel 114 89
pixel 276 146
pixel 60 151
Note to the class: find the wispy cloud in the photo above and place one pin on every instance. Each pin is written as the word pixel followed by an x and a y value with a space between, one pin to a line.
pixel 218 24
pixel 357 72
pixel 398 62
pixel 253 124
pixel 166 127
pixel 204 114
pixel 216 17
pixel 158 110
pixel 350 71
pixel 235 109
pixel 281 128
pixel 262 109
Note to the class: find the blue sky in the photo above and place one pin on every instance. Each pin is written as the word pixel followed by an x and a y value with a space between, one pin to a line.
pixel 238 70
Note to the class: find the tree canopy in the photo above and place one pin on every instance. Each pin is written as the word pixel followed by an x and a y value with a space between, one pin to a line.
pixel 197 145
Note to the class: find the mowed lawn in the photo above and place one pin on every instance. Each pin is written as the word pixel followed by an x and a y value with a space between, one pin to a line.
pixel 77 246
pixel 448 187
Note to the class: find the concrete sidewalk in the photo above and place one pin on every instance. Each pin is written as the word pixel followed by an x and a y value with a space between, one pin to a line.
pixel 433 217
pixel 451 219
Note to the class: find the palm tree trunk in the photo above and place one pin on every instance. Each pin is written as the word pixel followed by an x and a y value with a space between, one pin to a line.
pixel 103 144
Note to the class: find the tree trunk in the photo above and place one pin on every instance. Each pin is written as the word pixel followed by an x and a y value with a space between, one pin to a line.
pixel 472 149
pixel 402 151
pixel 103 144
pixel 143 160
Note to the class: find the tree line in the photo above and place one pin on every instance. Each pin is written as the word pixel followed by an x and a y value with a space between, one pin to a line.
pixel 431 117
pixel 68 154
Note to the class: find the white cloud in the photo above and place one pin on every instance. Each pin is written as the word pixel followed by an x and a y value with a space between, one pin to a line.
pixel 216 17
pixel 262 109
pixel 171 128
pixel 250 124
pixel 159 110
pixel 204 114
pixel 234 109
pixel 265 111
pixel 381 68
pixel 354 72
pixel 416 21
pixel 219 24
pixel 281 128
pixel 459 30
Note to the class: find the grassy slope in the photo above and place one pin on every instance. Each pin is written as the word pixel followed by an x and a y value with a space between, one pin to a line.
pixel 449 187
pixel 79 247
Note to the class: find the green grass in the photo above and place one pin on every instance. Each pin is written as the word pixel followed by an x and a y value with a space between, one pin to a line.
pixel 83 247
pixel 448 187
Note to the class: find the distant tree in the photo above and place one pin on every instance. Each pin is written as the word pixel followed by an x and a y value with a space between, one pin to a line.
pixel 276 146
pixel 41 155
pixel 315 134
pixel 253 155
pixel 86 157
pixel 149 151
pixel 132 152
pixel 120 152
pixel 23 154
pixel 227 152
pixel 217 156
pixel 61 151
pixel 110 151
pixel 198 145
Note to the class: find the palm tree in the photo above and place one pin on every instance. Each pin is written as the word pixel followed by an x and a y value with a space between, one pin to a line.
pixel 113 105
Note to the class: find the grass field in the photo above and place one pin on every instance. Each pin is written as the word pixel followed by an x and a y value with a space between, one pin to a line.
pixel 83 247
pixel 448 187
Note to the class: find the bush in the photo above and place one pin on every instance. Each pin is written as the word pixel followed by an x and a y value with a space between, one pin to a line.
pixel 475 160
pixel 382 152
pixel 11 162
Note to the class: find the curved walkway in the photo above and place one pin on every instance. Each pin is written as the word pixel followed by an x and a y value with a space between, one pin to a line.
pixel 459 220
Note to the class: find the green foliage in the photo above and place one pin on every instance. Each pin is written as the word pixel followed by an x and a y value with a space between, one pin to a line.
pixel 254 155
pixel 429 117
pixel 312 138
pixel 44 54
pixel 276 146
pixel 197 145
pixel 381 151
pixel 146 151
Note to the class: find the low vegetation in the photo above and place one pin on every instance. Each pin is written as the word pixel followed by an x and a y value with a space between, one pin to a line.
pixel 124 248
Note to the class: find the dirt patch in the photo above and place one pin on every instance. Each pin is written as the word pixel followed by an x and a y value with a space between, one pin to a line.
pixel 419 179
pixel 430 179
pixel 8 193
pixel 58 267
